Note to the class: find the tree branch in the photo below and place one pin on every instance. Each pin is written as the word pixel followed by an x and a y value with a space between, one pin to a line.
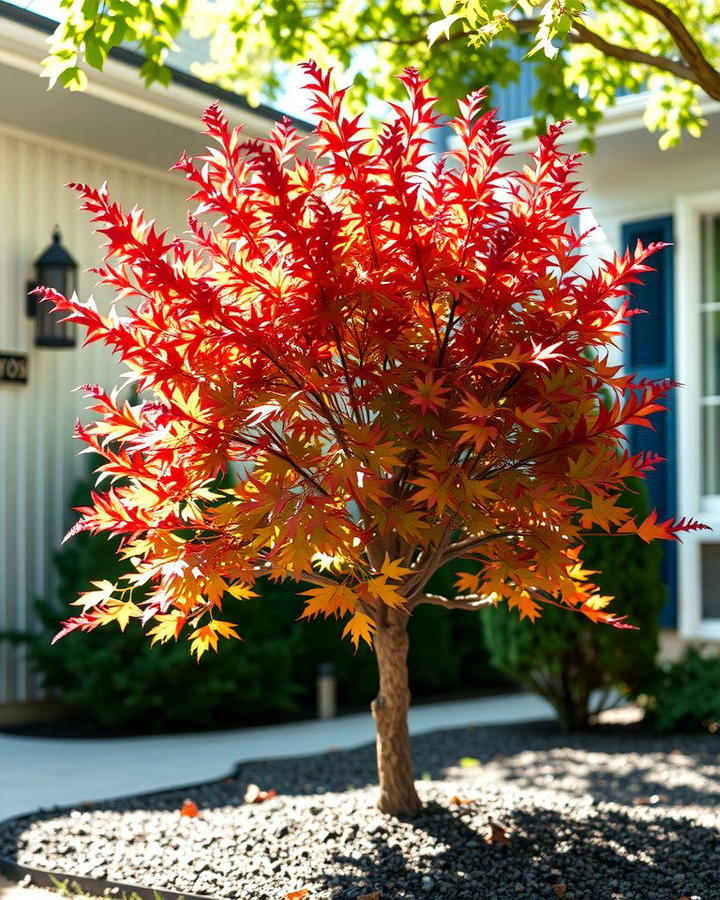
pixel 705 73
pixel 464 601
pixel 583 35
pixel 467 545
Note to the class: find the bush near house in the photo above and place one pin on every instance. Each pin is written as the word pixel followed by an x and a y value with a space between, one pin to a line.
pixel 683 695
pixel 564 657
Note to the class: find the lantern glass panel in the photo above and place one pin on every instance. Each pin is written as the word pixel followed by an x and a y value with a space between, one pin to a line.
pixel 50 330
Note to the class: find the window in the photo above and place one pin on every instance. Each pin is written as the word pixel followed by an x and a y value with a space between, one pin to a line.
pixel 710 565
pixel 710 336
pixel 710 402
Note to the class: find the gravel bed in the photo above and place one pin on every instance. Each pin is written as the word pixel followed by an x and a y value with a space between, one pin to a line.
pixel 615 814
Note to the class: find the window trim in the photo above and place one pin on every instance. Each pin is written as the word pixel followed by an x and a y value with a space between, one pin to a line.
pixel 689 209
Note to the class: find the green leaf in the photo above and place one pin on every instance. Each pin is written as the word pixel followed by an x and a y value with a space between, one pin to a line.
pixel 73 78
pixel 94 53
pixel 469 762
pixel 442 26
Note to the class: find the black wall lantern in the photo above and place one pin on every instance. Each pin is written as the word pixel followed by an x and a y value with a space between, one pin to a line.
pixel 54 268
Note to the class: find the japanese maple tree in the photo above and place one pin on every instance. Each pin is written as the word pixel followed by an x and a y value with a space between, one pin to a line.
pixel 400 361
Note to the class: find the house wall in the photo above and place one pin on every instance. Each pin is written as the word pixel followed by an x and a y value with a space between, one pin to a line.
pixel 38 461
pixel 630 180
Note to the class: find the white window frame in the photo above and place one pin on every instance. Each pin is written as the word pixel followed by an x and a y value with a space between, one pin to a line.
pixel 689 210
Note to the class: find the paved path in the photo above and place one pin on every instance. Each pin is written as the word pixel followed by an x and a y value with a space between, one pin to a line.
pixel 44 772
pixel 10 891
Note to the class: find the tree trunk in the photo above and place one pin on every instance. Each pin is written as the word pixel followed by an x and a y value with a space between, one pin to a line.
pixel 394 759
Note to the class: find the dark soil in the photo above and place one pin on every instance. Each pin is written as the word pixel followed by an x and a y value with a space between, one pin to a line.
pixel 614 814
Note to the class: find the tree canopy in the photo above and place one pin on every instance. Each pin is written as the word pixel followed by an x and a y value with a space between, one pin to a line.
pixel 584 53
pixel 404 363
pixel 400 360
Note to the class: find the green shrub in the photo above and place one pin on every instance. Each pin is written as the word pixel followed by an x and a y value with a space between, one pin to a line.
pixel 683 695
pixel 565 657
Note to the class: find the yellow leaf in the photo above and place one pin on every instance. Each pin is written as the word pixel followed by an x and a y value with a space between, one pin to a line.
pixel 381 590
pixel 360 626
pixel 394 569
pixel 241 591
pixel 93 598
pixel 225 629
pixel 169 626
pixel 329 600
pixel 203 639
pixel 118 611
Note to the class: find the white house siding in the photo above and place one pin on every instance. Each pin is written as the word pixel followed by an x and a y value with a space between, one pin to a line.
pixel 38 457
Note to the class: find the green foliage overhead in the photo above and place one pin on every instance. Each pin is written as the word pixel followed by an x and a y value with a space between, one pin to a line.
pixel 584 52
pixel 566 659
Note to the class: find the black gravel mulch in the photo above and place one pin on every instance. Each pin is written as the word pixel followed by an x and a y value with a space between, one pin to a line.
pixel 615 814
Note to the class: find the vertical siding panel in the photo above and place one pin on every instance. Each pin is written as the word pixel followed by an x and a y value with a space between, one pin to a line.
pixel 38 457
pixel 7 339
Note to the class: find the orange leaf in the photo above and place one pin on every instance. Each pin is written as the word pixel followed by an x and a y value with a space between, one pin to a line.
pixel 360 627
pixel 498 834
pixel 189 809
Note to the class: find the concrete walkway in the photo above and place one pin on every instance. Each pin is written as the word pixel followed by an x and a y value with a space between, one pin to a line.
pixel 43 772
pixel 10 891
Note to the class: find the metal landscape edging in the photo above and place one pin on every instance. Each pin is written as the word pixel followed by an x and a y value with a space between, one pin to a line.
pixel 84 885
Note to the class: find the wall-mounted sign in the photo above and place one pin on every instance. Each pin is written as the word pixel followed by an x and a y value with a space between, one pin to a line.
pixel 13 367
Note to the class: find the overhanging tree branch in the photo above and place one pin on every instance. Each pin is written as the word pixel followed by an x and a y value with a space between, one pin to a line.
pixel 707 76
pixel 583 35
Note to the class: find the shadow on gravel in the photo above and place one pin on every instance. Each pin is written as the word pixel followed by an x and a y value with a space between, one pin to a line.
pixel 618 764
pixel 603 857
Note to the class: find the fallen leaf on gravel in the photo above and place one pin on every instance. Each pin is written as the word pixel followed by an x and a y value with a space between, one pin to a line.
pixel 189 809
pixel 297 895
pixel 373 895
pixel 498 833
pixel 560 889
pixel 469 762
pixel 253 794
pixel 650 801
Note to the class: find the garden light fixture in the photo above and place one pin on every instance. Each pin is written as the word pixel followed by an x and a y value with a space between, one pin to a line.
pixel 54 268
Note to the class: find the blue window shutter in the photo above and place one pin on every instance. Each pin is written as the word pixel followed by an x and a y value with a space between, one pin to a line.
pixel 650 354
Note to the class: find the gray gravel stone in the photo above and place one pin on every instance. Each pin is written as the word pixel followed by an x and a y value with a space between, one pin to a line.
pixel 615 814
